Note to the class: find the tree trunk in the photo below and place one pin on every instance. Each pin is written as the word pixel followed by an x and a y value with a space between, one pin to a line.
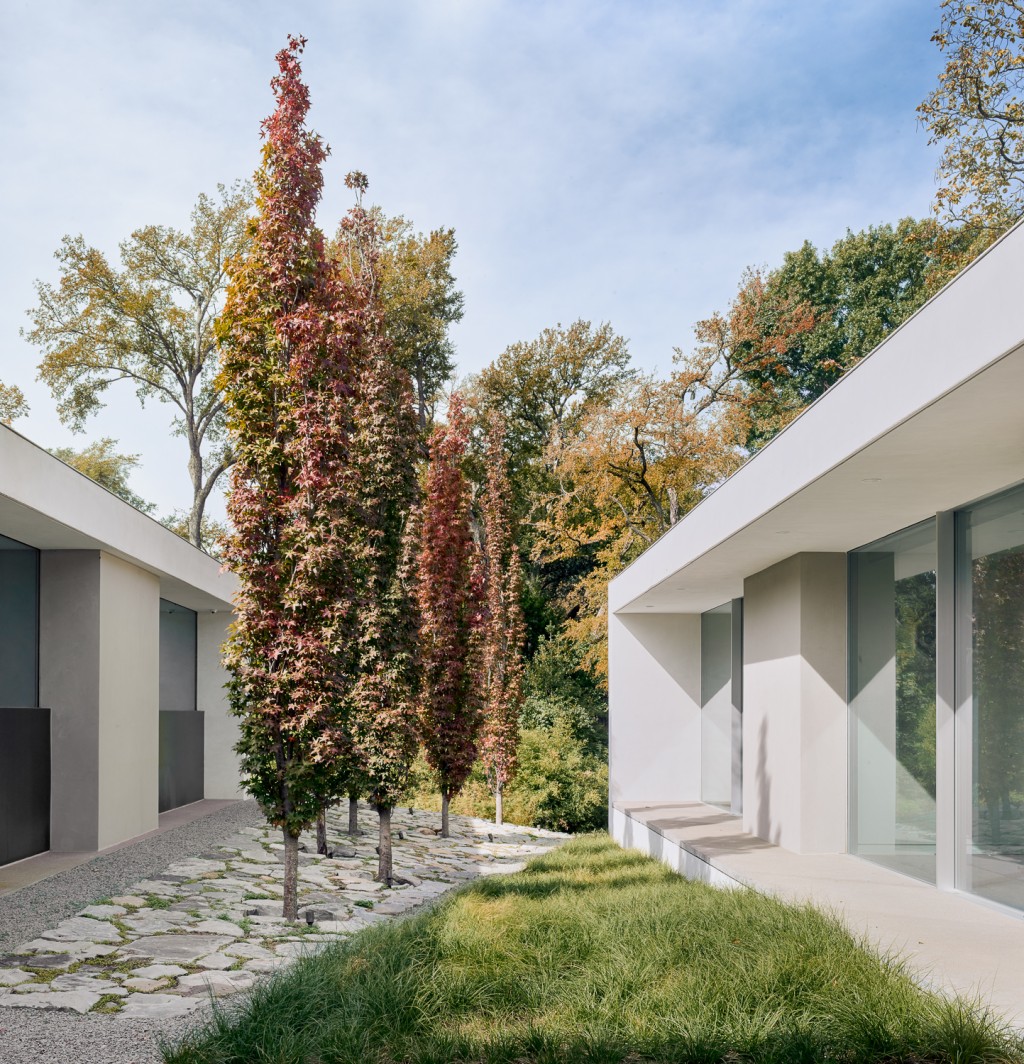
pixel 353 816
pixel 385 869
pixel 291 876
pixel 321 831
pixel 497 804
pixel 444 814
pixel 195 469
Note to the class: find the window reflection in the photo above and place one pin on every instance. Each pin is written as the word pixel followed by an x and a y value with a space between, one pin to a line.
pixel 991 594
pixel 892 700
pixel 19 624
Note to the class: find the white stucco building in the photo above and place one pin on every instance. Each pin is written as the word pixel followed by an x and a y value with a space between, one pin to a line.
pixel 112 706
pixel 826 656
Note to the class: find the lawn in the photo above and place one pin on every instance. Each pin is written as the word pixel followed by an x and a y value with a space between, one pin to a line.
pixel 598 954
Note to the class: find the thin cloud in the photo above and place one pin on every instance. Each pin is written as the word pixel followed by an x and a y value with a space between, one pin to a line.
pixel 605 160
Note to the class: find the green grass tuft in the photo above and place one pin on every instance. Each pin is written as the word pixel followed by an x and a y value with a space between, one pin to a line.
pixel 600 955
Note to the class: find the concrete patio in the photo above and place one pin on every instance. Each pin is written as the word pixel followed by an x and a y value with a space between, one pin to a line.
pixel 951 941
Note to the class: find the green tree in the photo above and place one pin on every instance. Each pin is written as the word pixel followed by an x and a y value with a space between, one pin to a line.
pixel 149 322
pixel 546 387
pixel 103 463
pixel 415 289
pixel 797 329
pixel 976 114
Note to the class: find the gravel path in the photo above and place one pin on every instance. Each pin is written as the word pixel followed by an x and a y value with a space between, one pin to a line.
pixel 28 912
pixel 30 1037
pixel 181 896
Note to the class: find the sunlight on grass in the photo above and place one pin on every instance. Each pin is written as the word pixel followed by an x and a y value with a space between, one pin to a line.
pixel 598 954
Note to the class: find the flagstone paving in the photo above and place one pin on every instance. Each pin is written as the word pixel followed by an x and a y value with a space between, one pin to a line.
pixel 211 925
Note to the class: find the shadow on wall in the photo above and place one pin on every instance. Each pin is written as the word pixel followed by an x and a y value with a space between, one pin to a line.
pixel 660 637
pixel 763 827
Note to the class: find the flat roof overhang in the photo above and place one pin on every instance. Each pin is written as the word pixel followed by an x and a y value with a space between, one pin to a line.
pixel 51 506
pixel 929 421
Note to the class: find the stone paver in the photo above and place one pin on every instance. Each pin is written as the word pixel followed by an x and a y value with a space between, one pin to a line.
pixel 211 924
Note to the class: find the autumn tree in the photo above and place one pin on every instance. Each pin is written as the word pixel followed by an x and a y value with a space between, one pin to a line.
pixel 287 336
pixel 383 703
pixel 13 403
pixel 102 462
pixel 418 300
pixel 503 629
pixel 634 466
pixel 976 114
pixel 149 322
pixel 449 603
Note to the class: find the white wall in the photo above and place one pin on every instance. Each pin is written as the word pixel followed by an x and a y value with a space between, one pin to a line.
pixel 794 704
pixel 221 729
pixel 654 707
pixel 129 701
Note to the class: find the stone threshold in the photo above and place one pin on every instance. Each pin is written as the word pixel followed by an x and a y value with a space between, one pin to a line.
pixel 950 940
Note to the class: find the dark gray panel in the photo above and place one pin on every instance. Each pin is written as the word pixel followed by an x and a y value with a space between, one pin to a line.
pixel 24 783
pixel 19 624
pixel 181 758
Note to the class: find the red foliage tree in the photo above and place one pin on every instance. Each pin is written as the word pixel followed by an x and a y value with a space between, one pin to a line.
pixel 449 601
pixel 503 627
pixel 288 337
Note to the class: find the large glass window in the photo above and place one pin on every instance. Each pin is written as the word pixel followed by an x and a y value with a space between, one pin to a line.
pixel 19 625
pixel 177 657
pixel 892 701
pixel 990 759
pixel 720 727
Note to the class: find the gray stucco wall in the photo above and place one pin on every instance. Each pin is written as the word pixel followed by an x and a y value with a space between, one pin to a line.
pixel 69 684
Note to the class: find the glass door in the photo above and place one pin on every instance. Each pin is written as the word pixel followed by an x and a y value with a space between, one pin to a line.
pixel 990 728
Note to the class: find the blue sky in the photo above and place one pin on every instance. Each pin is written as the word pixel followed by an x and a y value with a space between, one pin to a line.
pixel 613 161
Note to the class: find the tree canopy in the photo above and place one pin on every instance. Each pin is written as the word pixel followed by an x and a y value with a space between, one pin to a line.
pixel 13 403
pixel 415 289
pixel 149 322
pixel 102 462
pixel 288 338
pixel 976 114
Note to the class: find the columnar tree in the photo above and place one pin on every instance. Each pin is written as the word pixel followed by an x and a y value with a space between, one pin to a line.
pixel 449 601
pixel 381 716
pixel 286 349
pixel 503 628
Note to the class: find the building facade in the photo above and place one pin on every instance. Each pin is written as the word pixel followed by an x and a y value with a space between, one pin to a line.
pixel 112 706
pixel 830 647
